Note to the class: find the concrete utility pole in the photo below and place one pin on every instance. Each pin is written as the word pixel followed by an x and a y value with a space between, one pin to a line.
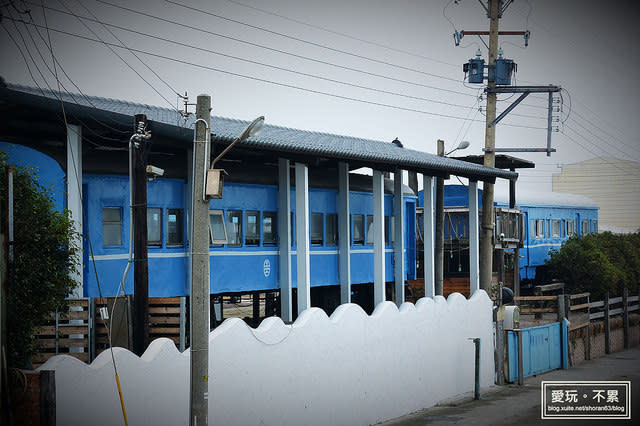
pixel 439 256
pixel 199 300
pixel 141 267
pixel 486 236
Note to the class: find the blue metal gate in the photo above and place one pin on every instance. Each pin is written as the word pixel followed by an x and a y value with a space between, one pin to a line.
pixel 544 348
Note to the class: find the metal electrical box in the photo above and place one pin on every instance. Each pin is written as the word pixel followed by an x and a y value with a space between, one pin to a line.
pixel 504 69
pixel 511 317
pixel 475 68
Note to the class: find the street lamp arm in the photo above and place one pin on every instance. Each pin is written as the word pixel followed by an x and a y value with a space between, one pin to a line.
pixel 251 130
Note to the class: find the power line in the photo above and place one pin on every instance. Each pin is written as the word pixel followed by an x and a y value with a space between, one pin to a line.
pixel 318 27
pixel 333 49
pixel 293 71
pixel 291 86
pixel 284 52
pixel 124 45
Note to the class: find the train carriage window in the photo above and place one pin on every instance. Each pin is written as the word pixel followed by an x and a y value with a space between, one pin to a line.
pixel 358 229
pixel 585 227
pixel 269 228
pixel 386 230
pixel 570 228
pixel 393 226
pixel 332 229
pixel 174 227
pixel 217 229
pixel 539 228
pixel 555 228
pixel 154 227
pixel 234 228
pixel 111 226
pixel 252 231
pixel 594 226
pixel 317 229
pixel 369 229
pixel 293 227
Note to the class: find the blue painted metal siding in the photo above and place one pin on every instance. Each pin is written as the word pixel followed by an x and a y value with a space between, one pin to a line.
pixel 544 348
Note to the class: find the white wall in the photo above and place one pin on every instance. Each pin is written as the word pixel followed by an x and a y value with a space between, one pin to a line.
pixel 347 369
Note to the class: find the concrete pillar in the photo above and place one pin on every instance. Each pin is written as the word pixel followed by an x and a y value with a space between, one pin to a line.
pixel 74 195
pixel 428 236
pixel 378 238
pixel 344 233
pixel 398 246
pixel 302 237
pixel 474 245
pixel 284 233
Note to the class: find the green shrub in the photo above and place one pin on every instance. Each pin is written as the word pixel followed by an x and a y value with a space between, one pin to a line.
pixel 598 263
pixel 39 279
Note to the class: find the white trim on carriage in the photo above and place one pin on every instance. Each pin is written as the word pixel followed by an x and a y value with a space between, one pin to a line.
pixel 125 256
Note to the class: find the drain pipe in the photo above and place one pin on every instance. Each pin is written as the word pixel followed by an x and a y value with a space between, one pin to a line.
pixel 476 390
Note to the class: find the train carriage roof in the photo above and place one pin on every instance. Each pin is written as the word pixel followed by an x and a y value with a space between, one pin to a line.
pixel 34 114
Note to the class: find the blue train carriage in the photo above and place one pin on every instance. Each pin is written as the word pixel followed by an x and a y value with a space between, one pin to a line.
pixel 243 231
pixel 538 223
pixel 550 219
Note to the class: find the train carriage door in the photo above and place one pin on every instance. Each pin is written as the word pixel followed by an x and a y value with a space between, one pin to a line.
pixel 410 239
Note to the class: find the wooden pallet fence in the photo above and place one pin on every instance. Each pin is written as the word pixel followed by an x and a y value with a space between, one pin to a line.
pixel 165 320
pixel 66 333
pixel 119 313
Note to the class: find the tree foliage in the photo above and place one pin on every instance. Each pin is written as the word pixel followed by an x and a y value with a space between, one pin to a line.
pixel 598 263
pixel 44 259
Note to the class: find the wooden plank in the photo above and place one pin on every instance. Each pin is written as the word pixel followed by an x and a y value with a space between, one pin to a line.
pixel 50 330
pixel 532 310
pixel 164 320
pixel 615 300
pixel 164 301
pixel 579 296
pixel 577 307
pixel 596 315
pixel 64 343
pixel 164 330
pixel 633 299
pixel 164 310
pixel 634 308
pixel 615 311
pixel 599 304
pixel 536 298
pixel 578 326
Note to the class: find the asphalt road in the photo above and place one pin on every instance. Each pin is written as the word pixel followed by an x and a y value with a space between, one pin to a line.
pixel 520 405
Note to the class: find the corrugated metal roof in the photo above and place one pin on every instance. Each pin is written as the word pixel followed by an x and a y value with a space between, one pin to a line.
pixel 287 140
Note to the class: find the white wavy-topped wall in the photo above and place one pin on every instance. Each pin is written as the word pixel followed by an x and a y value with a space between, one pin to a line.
pixel 348 369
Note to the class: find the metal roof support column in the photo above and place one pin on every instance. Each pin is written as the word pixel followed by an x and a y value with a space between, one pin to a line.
pixel 428 236
pixel 398 246
pixel 74 194
pixel 344 233
pixel 284 230
pixel 302 237
pixel 474 247
pixel 378 238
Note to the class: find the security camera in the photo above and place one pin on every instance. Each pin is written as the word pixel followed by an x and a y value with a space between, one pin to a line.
pixel 502 236
pixel 155 171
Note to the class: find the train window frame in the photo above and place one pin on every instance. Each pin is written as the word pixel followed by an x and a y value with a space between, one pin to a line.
pixel 539 228
pixel 316 236
pixel 361 239
pixel 179 228
pixel 331 229
pixel 556 228
pixel 154 242
pixel 292 218
pixel 392 224
pixel 584 229
pixel 212 238
pixel 274 228
pixel 368 229
pixel 594 226
pixel 117 224
pixel 571 230
pixel 386 231
pixel 252 238
pixel 237 239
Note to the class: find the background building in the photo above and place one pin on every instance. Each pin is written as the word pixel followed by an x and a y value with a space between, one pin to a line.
pixel 612 183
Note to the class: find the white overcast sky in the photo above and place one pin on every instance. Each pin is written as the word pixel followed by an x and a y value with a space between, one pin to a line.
pixel 587 47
